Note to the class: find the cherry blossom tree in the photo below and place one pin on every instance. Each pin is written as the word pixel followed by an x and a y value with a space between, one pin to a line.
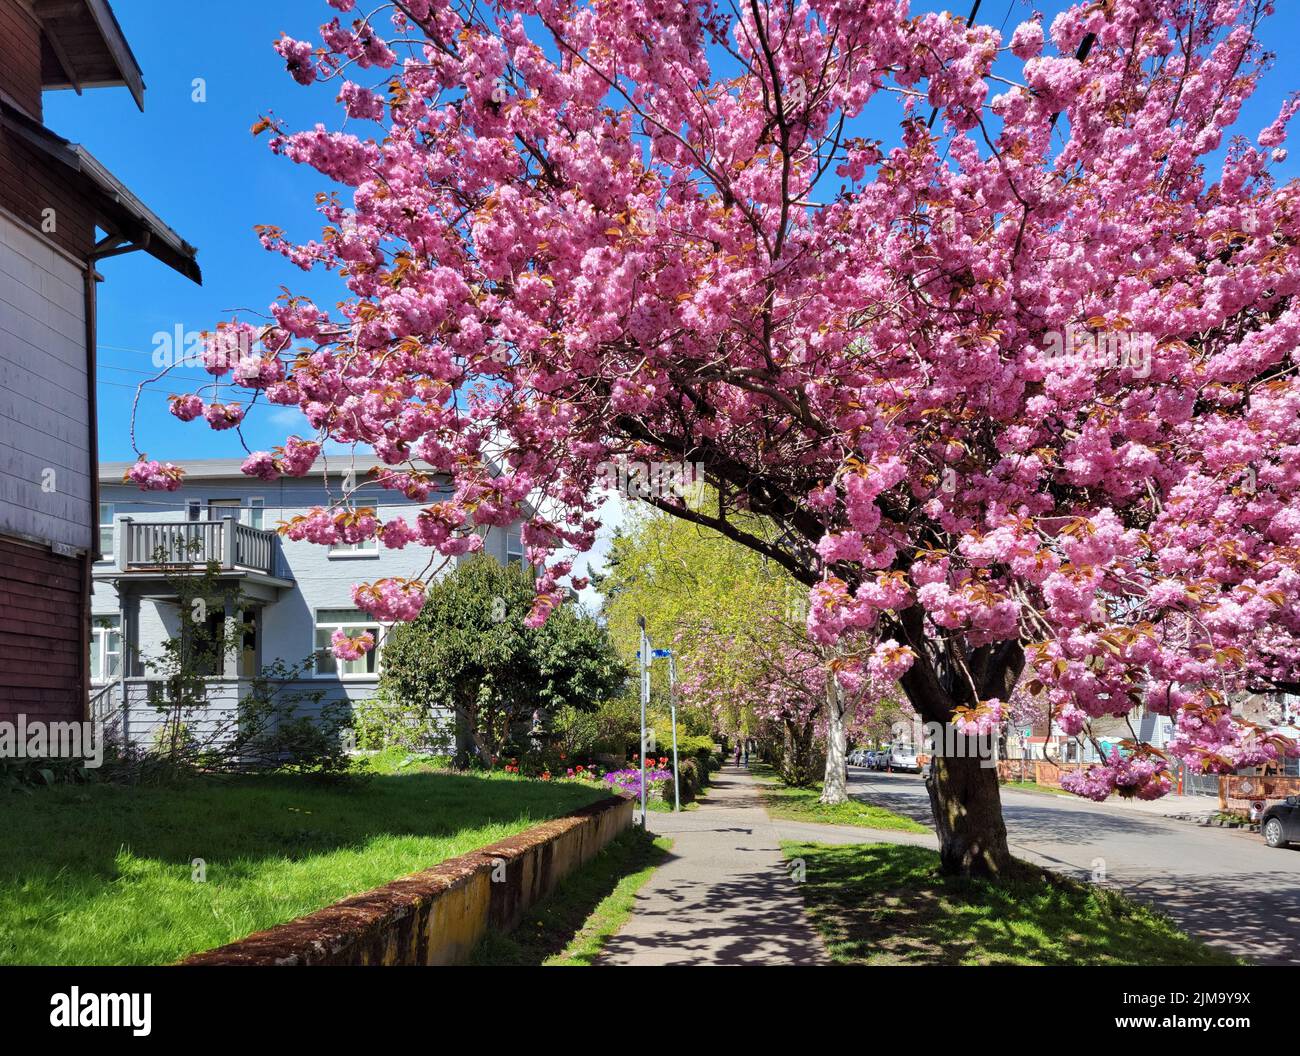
pixel 1019 388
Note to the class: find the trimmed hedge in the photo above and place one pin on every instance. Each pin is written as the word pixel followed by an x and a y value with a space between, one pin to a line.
pixel 693 775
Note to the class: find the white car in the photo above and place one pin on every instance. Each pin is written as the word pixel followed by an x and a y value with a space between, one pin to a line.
pixel 903 757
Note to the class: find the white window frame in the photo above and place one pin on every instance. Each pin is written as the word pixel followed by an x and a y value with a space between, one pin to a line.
pixel 515 549
pixel 99 651
pixel 111 527
pixel 365 622
pixel 256 511
pixel 223 509
pixel 353 551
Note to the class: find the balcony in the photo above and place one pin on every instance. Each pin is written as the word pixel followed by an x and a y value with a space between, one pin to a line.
pixel 178 546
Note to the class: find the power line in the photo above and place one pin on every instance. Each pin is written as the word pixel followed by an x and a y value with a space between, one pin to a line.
pixel 137 370
pixel 969 22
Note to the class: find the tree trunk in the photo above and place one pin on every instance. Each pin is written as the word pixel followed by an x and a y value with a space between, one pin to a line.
pixel 964 794
pixel 797 763
pixel 967 810
pixel 835 787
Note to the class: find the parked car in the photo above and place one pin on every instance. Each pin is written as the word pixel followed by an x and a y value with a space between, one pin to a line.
pixel 903 757
pixel 1281 823
pixel 880 760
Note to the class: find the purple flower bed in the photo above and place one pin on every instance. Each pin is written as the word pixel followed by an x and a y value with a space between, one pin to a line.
pixel 630 780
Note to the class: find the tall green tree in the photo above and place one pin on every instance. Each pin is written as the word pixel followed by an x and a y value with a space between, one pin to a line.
pixel 727 612
pixel 470 653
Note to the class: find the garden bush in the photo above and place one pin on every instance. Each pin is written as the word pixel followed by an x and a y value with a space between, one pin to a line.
pixel 575 732
pixel 382 723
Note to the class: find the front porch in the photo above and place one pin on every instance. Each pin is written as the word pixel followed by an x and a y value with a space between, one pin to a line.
pixel 191 597
pixel 134 710
pixel 154 547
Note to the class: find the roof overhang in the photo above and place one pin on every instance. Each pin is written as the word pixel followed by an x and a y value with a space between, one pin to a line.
pixel 82 46
pixel 130 223
pixel 196 469
pixel 159 583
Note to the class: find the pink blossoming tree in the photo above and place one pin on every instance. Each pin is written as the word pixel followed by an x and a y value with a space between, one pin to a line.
pixel 1020 388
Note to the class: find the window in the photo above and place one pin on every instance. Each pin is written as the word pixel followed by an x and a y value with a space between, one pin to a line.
pixel 220 509
pixel 352 622
pixel 106 512
pixel 367 548
pixel 514 549
pixel 256 513
pixel 194 510
pixel 105 648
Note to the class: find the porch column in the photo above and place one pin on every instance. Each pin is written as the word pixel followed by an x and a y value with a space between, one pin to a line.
pixel 228 542
pixel 123 540
pixel 231 648
pixel 128 618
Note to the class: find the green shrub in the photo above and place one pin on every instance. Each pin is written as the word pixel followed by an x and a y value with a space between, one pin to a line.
pixel 382 723
pixel 575 732
pixel 693 776
pixel 618 724
pixel 22 775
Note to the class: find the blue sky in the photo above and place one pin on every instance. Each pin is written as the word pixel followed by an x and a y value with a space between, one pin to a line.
pixel 197 166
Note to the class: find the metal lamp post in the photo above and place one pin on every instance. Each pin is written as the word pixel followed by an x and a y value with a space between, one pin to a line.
pixel 672 708
pixel 645 655
pixel 645 700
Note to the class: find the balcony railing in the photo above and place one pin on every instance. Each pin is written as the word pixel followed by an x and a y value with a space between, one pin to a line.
pixel 148 545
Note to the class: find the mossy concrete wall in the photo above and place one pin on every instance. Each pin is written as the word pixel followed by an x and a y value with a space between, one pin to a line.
pixel 439 915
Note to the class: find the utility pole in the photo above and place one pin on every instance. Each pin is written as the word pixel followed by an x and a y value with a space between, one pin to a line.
pixel 672 707
pixel 645 700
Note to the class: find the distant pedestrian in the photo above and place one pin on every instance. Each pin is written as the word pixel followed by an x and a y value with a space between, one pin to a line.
pixel 737 757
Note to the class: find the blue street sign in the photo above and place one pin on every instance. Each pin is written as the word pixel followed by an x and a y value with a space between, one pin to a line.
pixel 656 654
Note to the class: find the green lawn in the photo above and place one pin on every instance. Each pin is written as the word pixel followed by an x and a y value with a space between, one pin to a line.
pixel 801 804
pixel 662 806
pixel 886 904
pixel 102 874
pixel 570 927
pixel 1034 786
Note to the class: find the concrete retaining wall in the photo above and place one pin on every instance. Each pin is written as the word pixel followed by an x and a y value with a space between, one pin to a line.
pixel 437 916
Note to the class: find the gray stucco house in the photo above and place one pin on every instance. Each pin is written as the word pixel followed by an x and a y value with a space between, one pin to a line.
pixel 295 593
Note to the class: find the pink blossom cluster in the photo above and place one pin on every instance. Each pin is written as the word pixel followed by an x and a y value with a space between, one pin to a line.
pixel 351 647
pixel 187 407
pixel 1132 776
pixel 391 600
pixel 986 718
pixel 150 475
pixel 294 459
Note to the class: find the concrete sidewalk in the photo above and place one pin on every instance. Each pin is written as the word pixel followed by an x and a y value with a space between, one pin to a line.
pixel 724 895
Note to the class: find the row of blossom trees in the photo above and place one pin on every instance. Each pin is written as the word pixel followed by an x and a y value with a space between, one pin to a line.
pixel 1019 387
pixel 735 621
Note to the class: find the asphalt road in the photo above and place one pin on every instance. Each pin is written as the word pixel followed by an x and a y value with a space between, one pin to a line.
pixel 1223 885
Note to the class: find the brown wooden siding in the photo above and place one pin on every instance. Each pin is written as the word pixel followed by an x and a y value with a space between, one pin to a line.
pixel 30 183
pixel 20 70
pixel 43 633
